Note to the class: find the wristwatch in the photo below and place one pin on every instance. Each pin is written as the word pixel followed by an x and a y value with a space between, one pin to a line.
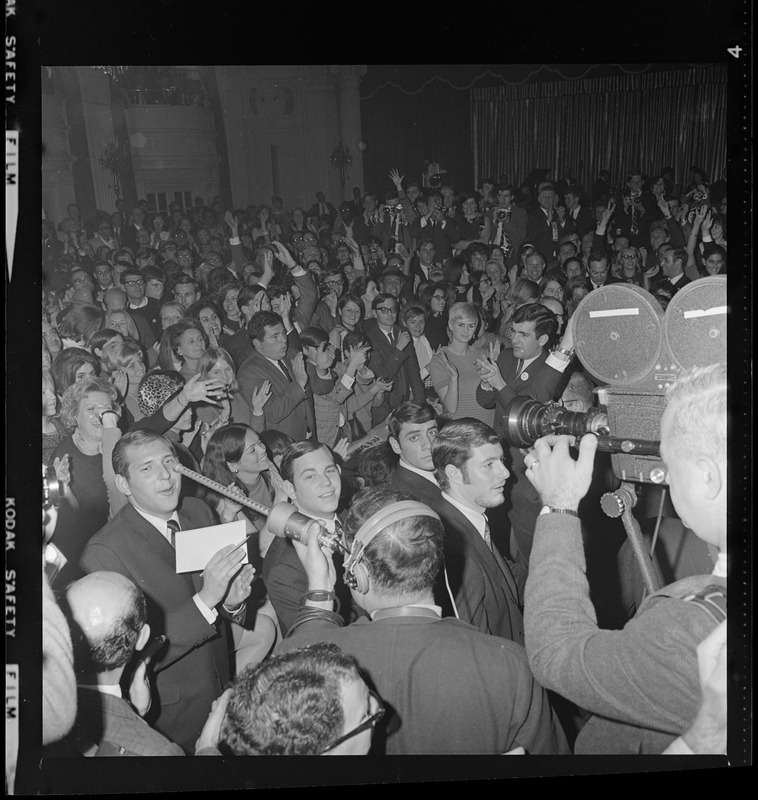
pixel 553 510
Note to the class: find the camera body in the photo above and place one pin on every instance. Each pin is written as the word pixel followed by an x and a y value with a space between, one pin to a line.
pixel 502 214
pixel 636 351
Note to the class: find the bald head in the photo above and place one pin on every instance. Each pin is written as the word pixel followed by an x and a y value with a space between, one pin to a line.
pixel 115 299
pixel 108 611
pixel 556 307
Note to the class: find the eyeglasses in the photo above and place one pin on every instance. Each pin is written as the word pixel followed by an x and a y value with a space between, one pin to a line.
pixel 387 309
pixel 364 726
pixel 79 281
pixel 140 282
pixel 338 282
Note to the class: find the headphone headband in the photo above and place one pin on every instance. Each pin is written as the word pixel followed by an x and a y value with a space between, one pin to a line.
pixel 380 520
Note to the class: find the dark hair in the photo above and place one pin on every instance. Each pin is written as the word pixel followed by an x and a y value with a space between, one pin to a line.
pixel 260 321
pixel 711 249
pixel 65 365
pixel 276 442
pixel 170 340
pixel 405 557
pixel 291 704
pixel 456 441
pixel 381 297
pixel 314 337
pixel 377 464
pixel 352 298
pixel 295 451
pixel 427 292
pixel 137 438
pixel 102 337
pixel 194 310
pixel 226 444
pixel 473 249
pixel 355 339
pixel 543 318
pixel 452 269
pixel 409 413
pixel 247 293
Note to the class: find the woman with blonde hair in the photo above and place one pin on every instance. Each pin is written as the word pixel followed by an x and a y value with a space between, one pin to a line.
pixel 453 368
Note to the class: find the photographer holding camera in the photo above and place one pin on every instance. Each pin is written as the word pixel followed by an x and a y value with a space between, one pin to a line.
pixel 436 225
pixel 641 684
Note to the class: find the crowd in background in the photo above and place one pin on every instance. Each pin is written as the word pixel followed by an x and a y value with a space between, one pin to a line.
pixel 239 335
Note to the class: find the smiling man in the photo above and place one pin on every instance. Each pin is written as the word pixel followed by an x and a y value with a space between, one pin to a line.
pixel 313 482
pixel 488 589
pixel 189 610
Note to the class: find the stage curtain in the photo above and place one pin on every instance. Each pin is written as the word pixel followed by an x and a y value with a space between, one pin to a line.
pixel 646 122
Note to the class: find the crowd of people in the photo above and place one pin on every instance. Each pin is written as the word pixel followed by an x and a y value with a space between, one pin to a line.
pixel 260 347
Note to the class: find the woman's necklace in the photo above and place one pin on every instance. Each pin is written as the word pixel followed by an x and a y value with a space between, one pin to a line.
pixel 88 448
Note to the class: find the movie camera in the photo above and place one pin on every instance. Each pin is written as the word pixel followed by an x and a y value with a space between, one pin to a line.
pixel 635 350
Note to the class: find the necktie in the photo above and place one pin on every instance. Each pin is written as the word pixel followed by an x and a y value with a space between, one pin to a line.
pixel 321 209
pixel 519 367
pixel 339 531
pixel 391 337
pixel 173 527
pixel 487 537
pixel 284 369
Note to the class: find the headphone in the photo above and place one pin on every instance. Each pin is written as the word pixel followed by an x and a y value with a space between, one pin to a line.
pixel 356 575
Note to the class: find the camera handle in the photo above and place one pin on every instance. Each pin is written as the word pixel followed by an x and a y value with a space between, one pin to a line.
pixel 620 504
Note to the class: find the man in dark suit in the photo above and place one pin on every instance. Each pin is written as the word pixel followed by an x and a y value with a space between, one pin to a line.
pixel 194 667
pixel 290 409
pixel 108 615
pixel 488 589
pixel 322 208
pixel 580 219
pixel 673 260
pixel 449 689
pixel 435 224
pixel 393 358
pixel 129 231
pixel 529 369
pixel 509 224
pixel 546 223
pixel 412 430
pixel 313 482
pixel 600 274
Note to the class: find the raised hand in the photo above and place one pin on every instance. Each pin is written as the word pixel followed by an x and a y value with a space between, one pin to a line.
pixel 284 255
pixel 62 468
pixel 231 221
pixel 396 178
pixel 120 380
pixel 380 385
pixel 285 307
pixel 318 564
pixel 219 573
pixel 211 732
pixel 452 371
pixel 198 390
pixel 299 370
pixel 324 358
pixel 561 481
pixel 341 447
pixel 277 482
pixel 239 591
pixel 403 340
pixel 357 359
pixel 260 397
pixel 707 222
pixel 494 350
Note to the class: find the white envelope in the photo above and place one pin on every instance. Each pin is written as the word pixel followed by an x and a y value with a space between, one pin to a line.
pixel 195 548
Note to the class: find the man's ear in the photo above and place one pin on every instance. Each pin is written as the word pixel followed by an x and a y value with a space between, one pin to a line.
pixel 454 475
pixel 143 637
pixel 123 485
pixel 395 445
pixel 712 479
pixel 256 344
pixel 543 340
pixel 289 489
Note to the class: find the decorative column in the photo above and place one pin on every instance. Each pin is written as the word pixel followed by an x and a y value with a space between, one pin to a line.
pixel 100 130
pixel 321 132
pixel 349 106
